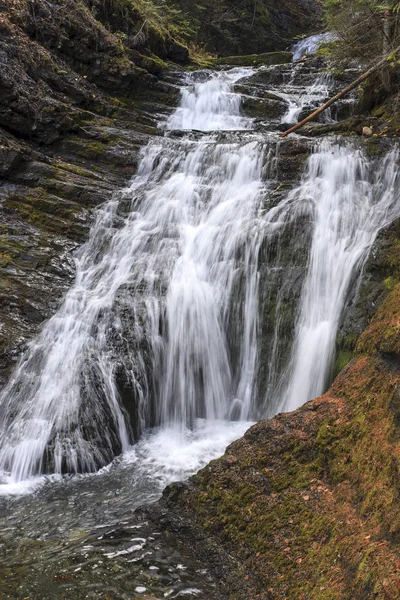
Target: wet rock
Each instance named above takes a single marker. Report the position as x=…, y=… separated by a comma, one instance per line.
x=177, y=52
x=264, y=108
x=9, y=159
x=379, y=279
x=292, y=155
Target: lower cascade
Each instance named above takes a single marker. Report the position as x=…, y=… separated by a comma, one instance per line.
x=161, y=329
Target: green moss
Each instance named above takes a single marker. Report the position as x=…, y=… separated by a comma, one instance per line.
x=5, y=258
x=74, y=169
x=46, y=212
x=199, y=55
x=325, y=51
x=343, y=357
x=90, y=149
x=153, y=64
x=390, y=283
x=337, y=73
x=269, y=58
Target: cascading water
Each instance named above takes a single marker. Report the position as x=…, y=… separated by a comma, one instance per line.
x=162, y=326
x=309, y=98
x=348, y=205
x=190, y=238
x=311, y=44
x=210, y=104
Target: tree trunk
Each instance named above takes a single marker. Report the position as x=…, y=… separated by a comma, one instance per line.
x=386, y=45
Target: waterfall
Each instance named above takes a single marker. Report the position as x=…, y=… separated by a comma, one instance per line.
x=348, y=203
x=311, y=44
x=161, y=329
x=188, y=243
x=210, y=104
x=308, y=98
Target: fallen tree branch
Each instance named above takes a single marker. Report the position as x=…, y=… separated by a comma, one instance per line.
x=345, y=91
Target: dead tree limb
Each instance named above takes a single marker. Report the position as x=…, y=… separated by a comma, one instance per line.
x=345, y=91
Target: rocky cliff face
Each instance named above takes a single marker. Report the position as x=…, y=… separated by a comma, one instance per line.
x=73, y=113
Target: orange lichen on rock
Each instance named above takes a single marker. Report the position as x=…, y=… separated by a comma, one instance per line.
x=383, y=334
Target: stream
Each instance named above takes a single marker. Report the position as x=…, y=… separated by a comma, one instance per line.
x=154, y=362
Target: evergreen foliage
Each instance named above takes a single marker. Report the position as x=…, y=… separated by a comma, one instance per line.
x=367, y=28
x=224, y=27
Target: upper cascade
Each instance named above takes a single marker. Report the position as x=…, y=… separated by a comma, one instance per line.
x=311, y=44
x=208, y=103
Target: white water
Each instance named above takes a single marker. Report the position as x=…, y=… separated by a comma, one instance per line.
x=348, y=206
x=210, y=104
x=311, y=44
x=190, y=236
x=176, y=284
x=168, y=456
x=309, y=97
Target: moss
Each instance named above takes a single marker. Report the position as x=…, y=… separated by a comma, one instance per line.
x=199, y=55
x=46, y=212
x=153, y=64
x=337, y=73
x=75, y=169
x=5, y=258
x=383, y=334
x=91, y=149
x=343, y=357
x=324, y=51
x=269, y=58
x=390, y=283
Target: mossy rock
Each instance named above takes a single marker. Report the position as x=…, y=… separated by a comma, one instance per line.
x=256, y=60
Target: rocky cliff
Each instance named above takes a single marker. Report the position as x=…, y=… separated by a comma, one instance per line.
x=73, y=112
